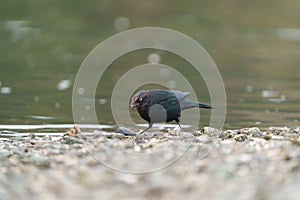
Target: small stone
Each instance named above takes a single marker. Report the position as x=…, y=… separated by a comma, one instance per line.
x=249, y=131
x=228, y=134
x=279, y=130
x=240, y=137
x=72, y=140
x=277, y=137
x=257, y=134
x=210, y=131
x=198, y=133
x=73, y=131
x=107, y=135
x=266, y=136
x=33, y=142
x=297, y=130
x=292, y=136
x=125, y=131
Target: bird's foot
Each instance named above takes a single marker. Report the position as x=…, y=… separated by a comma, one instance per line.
x=176, y=131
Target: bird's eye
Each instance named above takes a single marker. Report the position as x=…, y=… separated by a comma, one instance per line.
x=140, y=99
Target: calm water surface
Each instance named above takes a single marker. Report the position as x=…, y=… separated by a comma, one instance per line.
x=255, y=45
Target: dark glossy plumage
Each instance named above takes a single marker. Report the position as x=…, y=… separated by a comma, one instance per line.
x=156, y=106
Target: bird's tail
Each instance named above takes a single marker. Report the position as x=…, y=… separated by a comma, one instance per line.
x=192, y=104
x=202, y=105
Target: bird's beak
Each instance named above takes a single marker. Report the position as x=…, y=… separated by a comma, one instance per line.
x=132, y=105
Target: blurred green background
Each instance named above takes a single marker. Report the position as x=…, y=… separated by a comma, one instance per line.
x=255, y=44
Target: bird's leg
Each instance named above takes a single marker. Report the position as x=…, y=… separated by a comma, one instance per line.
x=176, y=130
x=177, y=121
x=179, y=124
x=143, y=131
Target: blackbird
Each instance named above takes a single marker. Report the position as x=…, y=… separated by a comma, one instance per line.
x=156, y=106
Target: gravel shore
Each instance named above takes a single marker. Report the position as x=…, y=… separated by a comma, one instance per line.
x=248, y=163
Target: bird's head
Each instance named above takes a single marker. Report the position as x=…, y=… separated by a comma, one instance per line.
x=140, y=99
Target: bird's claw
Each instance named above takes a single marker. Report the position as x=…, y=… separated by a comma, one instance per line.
x=176, y=131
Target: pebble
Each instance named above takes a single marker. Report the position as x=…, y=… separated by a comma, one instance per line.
x=297, y=130
x=266, y=136
x=257, y=134
x=210, y=131
x=125, y=131
x=277, y=137
x=292, y=135
x=240, y=137
x=33, y=142
x=198, y=133
x=279, y=130
x=73, y=140
x=73, y=131
x=249, y=131
x=228, y=134
x=65, y=167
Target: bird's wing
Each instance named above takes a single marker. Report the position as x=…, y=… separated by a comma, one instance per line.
x=168, y=98
x=180, y=95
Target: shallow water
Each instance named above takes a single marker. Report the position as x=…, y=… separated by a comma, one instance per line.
x=255, y=46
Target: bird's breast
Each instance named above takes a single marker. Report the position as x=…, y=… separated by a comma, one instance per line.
x=144, y=113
